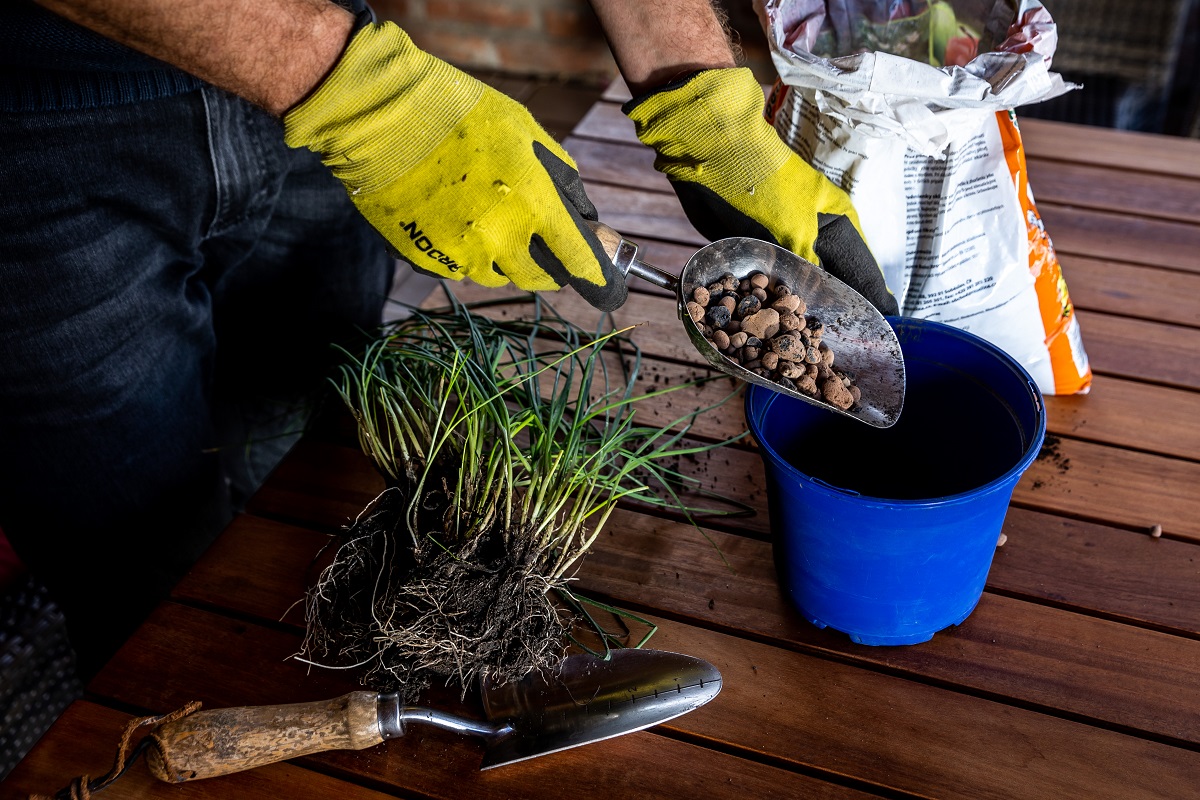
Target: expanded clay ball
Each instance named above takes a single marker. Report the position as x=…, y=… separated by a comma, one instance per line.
x=788, y=304
x=763, y=324
x=767, y=330
x=747, y=306
x=836, y=393
x=717, y=316
x=789, y=346
x=790, y=322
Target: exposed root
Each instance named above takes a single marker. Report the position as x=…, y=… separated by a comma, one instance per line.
x=412, y=613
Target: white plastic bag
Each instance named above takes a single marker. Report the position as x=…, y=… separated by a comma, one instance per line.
x=932, y=158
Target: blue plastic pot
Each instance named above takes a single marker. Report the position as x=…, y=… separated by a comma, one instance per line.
x=887, y=534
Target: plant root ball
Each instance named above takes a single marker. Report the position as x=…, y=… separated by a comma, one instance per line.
x=412, y=611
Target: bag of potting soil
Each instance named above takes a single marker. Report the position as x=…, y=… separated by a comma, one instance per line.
x=908, y=106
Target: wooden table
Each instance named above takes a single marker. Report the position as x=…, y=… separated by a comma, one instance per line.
x=1077, y=676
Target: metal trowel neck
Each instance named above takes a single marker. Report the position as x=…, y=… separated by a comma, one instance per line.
x=623, y=254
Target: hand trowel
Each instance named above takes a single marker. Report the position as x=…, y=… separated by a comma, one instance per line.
x=863, y=341
x=586, y=699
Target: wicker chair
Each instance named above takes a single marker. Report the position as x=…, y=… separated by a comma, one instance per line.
x=1126, y=55
x=37, y=668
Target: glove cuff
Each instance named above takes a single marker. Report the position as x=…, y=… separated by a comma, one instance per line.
x=381, y=77
x=736, y=84
x=709, y=128
x=675, y=83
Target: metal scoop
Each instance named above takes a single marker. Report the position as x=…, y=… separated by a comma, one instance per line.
x=587, y=699
x=863, y=343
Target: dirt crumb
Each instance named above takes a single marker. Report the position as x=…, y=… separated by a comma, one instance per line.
x=1050, y=452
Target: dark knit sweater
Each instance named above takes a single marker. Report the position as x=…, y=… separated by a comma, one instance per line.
x=48, y=63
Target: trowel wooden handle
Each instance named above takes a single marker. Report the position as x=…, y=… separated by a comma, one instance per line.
x=609, y=238
x=211, y=743
x=623, y=253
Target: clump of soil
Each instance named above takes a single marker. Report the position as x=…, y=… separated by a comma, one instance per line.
x=764, y=328
x=1050, y=452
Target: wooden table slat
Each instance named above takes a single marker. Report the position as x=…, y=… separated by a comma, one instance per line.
x=1119, y=237
x=597, y=142
x=1078, y=674
x=1042, y=655
x=1138, y=349
x=1133, y=290
x=832, y=725
x=1119, y=151
x=1123, y=352
x=1093, y=567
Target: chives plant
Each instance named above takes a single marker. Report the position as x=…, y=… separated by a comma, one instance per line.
x=505, y=445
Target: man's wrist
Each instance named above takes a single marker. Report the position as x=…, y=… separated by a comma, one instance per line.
x=670, y=77
x=270, y=52
x=657, y=43
x=331, y=34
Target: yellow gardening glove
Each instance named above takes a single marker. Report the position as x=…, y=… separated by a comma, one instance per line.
x=735, y=177
x=458, y=177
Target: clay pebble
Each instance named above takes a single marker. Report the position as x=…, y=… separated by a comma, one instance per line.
x=766, y=328
x=764, y=324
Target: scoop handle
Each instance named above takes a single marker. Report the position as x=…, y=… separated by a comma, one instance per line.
x=207, y=744
x=610, y=238
x=623, y=254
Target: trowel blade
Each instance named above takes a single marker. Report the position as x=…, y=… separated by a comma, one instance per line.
x=589, y=699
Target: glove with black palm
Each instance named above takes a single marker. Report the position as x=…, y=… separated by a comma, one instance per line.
x=460, y=179
x=735, y=177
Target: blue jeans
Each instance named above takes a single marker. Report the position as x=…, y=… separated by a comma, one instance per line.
x=164, y=267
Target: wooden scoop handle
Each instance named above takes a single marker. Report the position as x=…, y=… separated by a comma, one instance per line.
x=218, y=742
x=610, y=238
x=623, y=253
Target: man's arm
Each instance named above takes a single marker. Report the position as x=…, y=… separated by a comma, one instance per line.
x=657, y=42
x=271, y=52
x=274, y=52
x=732, y=173
x=460, y=179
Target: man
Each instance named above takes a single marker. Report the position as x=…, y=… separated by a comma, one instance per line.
x=174, y=257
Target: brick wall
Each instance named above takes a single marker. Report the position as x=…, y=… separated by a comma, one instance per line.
x=558, y=39
x=551, y=38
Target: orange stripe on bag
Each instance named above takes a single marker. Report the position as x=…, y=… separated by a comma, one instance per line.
x=1069, y=362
